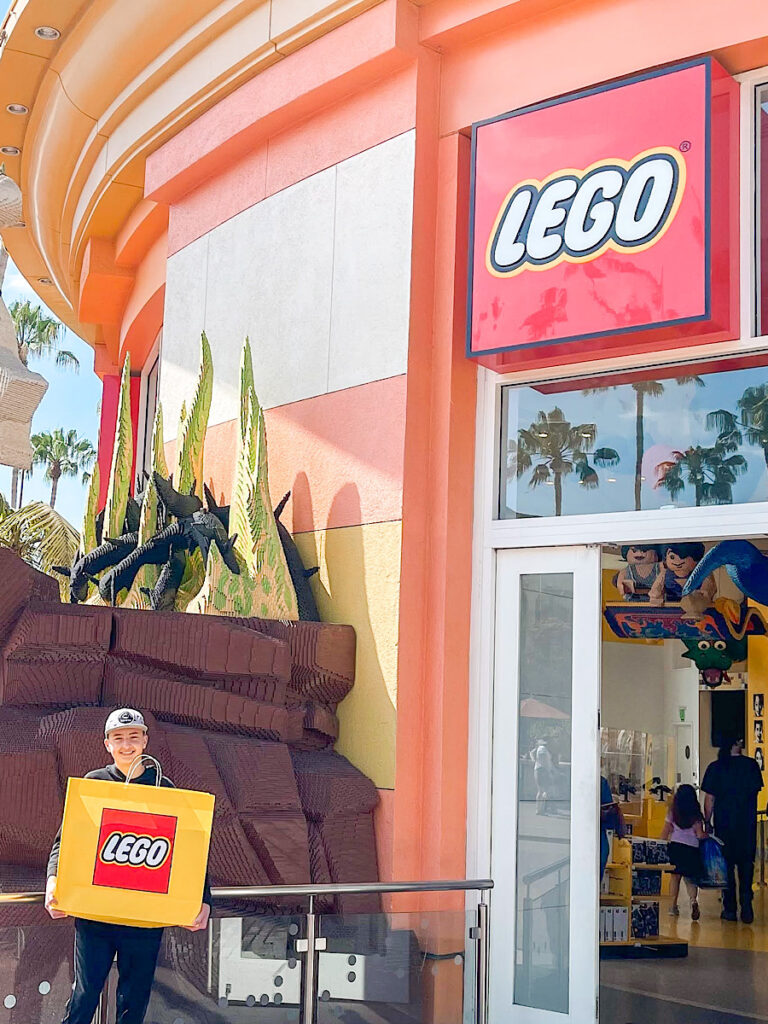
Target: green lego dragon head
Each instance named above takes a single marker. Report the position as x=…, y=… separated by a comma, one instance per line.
x=713, y=658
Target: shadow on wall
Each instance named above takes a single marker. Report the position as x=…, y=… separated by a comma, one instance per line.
x=358, y=584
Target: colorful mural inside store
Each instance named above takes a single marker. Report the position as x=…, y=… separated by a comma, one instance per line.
x=670, y=592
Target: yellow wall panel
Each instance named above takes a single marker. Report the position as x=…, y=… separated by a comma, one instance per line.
x=359, y=583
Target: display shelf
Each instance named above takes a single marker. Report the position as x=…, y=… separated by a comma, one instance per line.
x=620, y=869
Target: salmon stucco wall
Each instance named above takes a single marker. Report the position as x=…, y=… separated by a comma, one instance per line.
x=317, y=276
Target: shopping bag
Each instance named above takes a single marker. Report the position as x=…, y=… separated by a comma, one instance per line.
x=133, y=855
x=714, y=871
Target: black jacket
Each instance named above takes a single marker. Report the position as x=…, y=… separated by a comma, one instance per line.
x=113, y=774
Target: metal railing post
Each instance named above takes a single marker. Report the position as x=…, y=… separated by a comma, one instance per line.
x=310, y=946
x=481, y=1006
x=100, y=1017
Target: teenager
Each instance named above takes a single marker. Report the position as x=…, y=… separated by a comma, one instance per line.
x=96, y=942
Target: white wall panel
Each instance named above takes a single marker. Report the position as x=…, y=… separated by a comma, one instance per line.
x=318, y=276
x=185, y=317
x=372, y=264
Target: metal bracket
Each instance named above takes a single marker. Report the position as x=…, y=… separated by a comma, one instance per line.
x=302, y=945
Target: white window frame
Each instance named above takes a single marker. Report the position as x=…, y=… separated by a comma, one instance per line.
x=645, y=526
x=154, y=356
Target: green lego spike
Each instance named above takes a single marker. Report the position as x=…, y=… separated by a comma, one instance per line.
x=88, y=539
x=122, y=460
x=190, y=443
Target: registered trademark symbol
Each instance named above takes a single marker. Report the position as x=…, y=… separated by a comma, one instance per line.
x=684, y=146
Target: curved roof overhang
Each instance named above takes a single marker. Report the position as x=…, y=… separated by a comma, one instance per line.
x=121, y=79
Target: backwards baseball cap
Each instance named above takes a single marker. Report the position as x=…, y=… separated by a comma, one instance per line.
x=124, y=718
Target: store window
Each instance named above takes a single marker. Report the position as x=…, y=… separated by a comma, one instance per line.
x=761, y=192
x=628, y=444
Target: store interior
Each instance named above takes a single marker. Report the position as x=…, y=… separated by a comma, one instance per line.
x=676, y=679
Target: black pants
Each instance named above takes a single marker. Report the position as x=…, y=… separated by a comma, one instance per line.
x=745, y=865
x=96, y=945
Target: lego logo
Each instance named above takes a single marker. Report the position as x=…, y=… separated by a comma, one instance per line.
x=576, y=216
x=135, y=851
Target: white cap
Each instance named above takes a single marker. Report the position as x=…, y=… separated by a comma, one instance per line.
x=124, y=718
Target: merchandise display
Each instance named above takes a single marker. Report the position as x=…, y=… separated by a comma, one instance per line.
x=645, y=920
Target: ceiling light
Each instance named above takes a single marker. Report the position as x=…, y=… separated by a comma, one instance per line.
x=10, y=150
x=45, y=280
x=47, y=32
x=611, y=479
x=17, y=108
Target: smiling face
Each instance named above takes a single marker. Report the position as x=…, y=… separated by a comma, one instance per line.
x=125, y=745
x=680, y=566
x=642, y=556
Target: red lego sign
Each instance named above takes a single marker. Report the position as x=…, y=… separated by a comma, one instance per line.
x=135, y=850
x=606, y=220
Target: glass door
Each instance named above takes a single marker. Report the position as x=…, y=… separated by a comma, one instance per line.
x=546, y=759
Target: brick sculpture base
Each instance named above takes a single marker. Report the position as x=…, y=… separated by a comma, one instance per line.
x=242, y=708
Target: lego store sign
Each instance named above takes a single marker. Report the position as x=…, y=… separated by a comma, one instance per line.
x=135, y=850
x=606, y=221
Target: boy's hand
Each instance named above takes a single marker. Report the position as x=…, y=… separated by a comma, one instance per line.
x=50, y=899
x=201, y=921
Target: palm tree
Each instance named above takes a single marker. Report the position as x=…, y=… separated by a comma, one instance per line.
x=553, y=448
x=63, y=454
x=712, y=472
x=37, y=337
x=644, y=389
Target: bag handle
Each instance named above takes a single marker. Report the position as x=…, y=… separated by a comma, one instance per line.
x=140, y=759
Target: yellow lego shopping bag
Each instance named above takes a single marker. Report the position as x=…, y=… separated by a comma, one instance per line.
x=133, y=855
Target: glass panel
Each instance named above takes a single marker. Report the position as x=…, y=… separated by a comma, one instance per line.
x=35, y=967
x=671, y=442
x=244, y=962
x=544, y=792
x=761, y=195
x=398, y=968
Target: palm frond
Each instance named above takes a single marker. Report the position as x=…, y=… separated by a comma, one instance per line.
x=42, y=537
x=68, y=360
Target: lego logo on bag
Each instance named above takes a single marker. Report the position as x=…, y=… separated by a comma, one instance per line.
x=135, y=850
x=576, y=216
x=126, y=848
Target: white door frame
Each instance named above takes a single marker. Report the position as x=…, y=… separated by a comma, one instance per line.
x=492, y=535
x=583, y=564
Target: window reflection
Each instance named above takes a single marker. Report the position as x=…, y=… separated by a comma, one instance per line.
x=544, y=792
x=669, y=442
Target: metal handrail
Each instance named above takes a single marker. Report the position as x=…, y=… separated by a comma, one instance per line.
x=314, y=943
x=325, y=889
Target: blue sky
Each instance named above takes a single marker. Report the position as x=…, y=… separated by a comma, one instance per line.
x=71, y=402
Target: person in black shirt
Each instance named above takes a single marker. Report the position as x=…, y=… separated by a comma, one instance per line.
x=731, y=784
x=97, y=942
